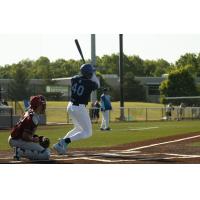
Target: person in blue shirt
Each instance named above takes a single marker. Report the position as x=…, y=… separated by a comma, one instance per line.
x=105, y=109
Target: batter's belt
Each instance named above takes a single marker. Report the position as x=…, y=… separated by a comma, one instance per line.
x=77, y=104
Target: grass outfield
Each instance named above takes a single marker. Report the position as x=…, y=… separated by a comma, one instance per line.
x=121, y=133
x=56, y=111
x=114, y=104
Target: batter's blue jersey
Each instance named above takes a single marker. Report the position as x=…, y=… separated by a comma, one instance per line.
x=81, y=89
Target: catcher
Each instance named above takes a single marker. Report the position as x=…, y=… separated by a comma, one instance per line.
x=23, y=140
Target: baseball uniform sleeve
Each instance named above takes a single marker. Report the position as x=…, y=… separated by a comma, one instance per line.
x=95, y=79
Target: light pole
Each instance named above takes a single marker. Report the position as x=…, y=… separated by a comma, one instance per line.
x=93, y=62
x=121, y=74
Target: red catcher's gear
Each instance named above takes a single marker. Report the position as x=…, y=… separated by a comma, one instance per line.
x=36, y=101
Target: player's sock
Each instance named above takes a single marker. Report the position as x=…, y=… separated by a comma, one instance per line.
x=67, y=140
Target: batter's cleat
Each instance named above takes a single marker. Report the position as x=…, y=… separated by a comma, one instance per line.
x=102, y=129
x=61, y=147
x=108, y=129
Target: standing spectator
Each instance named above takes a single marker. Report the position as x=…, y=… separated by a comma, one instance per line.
x=180, y=112
x=198, y=111
x=96, y=111
x=169, y=109
x=194, y=111
x=91, y=111
x=105, y=108
x=4, y=102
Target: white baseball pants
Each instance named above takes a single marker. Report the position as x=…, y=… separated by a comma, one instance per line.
x=105, y=119
x=81, y=120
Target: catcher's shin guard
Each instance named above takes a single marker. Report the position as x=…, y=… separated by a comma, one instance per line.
x=36, y=155
x=17, y=155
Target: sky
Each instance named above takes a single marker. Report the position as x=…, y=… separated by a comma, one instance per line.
x=16, y=47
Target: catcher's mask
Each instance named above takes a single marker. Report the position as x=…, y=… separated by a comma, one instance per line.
x=36, y=101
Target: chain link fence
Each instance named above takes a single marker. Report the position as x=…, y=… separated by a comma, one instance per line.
x=60, y=115
x=6, y=117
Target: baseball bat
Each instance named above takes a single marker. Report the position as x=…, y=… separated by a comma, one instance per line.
x=79, y=49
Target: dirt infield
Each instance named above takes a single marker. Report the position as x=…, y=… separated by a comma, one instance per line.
x=170, y=150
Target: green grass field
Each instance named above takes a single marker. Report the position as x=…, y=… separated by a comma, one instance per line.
x=114, y=104
x=121, y=133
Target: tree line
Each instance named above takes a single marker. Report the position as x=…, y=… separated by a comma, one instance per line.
x=43, y=68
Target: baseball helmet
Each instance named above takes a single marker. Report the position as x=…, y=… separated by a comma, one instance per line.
x=36, y=101
x=87, y=70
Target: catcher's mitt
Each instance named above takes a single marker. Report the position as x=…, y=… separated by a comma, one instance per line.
x=44, y=141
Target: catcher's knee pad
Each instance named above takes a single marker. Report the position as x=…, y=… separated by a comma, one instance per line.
x=11, y=142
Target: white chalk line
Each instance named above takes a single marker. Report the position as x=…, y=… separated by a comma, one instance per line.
x=140, y=129
x=161, y=143
x=131, y=129
x=94, y=159
x=172, y=156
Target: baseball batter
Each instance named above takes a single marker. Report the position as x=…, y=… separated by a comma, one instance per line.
x=81, y=88
x=22, y=137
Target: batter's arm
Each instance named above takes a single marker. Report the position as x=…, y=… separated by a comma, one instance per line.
x=95, y=79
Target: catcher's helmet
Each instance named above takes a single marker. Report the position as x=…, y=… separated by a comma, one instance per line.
x=36, y=101
x=87, y=70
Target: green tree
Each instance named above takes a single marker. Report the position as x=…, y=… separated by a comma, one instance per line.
x=134, y=64
x=5, y=72
x=133, y=90
x=149, y=67
x=162, y=67
x=108, y=64
x=18, y=89
x=179, y=83
x=27, y=65
x=189, y=59
x=42, y=66
x=198, y=64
